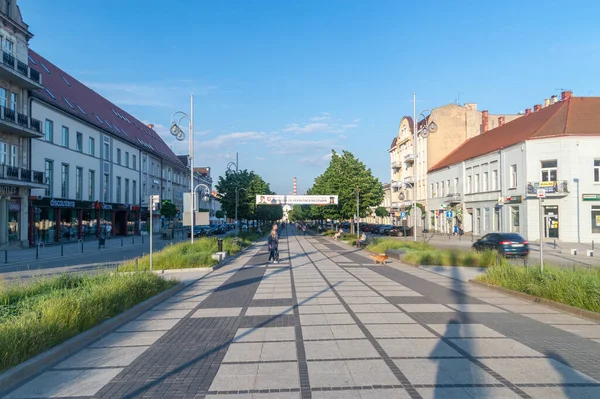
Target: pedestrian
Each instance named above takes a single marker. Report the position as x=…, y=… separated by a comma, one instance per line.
x=108, y=230
x=273, y=242
x=455, y=232
x=304, y=230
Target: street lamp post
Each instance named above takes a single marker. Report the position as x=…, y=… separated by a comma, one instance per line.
x=233, y=168
x=206, y=197
x=428, y=128
x=178, y=133
x=357, y=214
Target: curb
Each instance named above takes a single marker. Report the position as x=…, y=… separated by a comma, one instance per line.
x=542, y=301
x=30, y=368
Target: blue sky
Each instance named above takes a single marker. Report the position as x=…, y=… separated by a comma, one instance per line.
x=283, y=82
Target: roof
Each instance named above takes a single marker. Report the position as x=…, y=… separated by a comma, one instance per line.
x=575, y=116
x=394, y=143
x=75, y=98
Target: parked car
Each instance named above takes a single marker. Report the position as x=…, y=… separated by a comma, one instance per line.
x=385, y=230
x=507, y=244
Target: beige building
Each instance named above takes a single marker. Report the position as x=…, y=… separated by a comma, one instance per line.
x=386, y=203
x=456, y=124
x=17, y=77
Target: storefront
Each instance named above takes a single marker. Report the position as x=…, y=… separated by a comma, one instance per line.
x=10, y=214
x=54, y=220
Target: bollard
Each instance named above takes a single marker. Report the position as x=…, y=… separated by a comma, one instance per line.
x=81, y=246
x=132, y=240
x=62, y=250
x=220, y=244
x=6, y=256
x=136, y=263
x=121, y=242
x=98, y=245
x=142, y=239
x=555, y=243
x=592, y=245
x=37, y=251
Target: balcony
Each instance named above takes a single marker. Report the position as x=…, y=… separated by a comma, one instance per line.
x=396, y=184
x=19, y=124
x=453, y=198
x=409, y=158
x=25, y=176
x=19, y=72
x=409, y=179
x=555, y=189
x=396, y=165
x=396, y=205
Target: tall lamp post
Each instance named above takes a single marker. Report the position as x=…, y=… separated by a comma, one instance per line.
x=233, y=168
x=205, y=197
x=427, y=128
x=180, y=135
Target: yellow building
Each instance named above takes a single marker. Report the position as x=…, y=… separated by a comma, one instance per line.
x=456, y=124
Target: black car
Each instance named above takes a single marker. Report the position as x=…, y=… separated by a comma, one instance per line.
x=507, y=244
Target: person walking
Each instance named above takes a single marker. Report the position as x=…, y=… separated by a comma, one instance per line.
x=304, y=230
x=273, y=243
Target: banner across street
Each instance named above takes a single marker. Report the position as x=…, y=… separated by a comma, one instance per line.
x=297, y=199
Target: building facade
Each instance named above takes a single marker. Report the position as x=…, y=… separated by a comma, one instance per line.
x=456, y=124
x=491, y=183
x=100, y=164
x=18, y=75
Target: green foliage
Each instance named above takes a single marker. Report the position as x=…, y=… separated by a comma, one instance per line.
x=577, y=287
x=219, y=214
x=168, y=209
x=300, y=213
x=421, y=208
x=381, y=211
x=38, y=315
x=344, y=175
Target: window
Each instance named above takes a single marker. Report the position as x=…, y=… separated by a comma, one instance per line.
x=105, y=196
x=49, y=92
x=65, y=136
x=134, y=162
x=485, y=181
x=91, y=185
x=448, y=186
x=8, y=47
x=82, y=111
x=66, y=81
x=64, y=180
x=456, y=185
x=514, y=219
x=14, y=101
x=3, y=97
x=476, y=187
x=3, y=153
x=144, y=164
x=549, y=170
x=126, y=160
x=49, y=130
x=118, y=155
x=45, y=69
x=78, y=183
x=127, y=191
x=442, y=189
x=595, y=219
x=468, y=185
x=596, y=170
x=92, y=146
x=49, y=177
x=13, y=155
x=118, y=188
x=134, y=192
x=495, y=179
x=8, y=9
x=432, y=191
x=106, y=151
x=79, y=144
x=513, y=176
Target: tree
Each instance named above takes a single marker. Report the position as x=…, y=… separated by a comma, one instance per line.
x=343, y=177
x=381, y=212
x=168, y=210
x=299, y=213
x=219, y=214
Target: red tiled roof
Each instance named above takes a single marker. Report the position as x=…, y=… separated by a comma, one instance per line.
x=575, y=116
x=394, y=143
x=70, y=95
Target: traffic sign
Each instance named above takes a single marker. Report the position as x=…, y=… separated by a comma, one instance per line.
x=403, y=215
x=449, y=214
x=541, y=193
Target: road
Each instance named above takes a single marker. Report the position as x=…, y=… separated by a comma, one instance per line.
x=326, y=323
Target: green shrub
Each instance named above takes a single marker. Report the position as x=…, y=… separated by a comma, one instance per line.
x=37, y=316
x=380, y=245
x=575, y=287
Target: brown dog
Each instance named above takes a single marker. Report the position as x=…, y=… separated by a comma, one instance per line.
x=379, y=258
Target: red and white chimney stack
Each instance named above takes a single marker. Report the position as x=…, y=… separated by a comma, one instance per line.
x=295, y=187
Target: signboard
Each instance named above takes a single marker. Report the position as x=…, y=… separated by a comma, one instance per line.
x=202, y=219
x=154, y=201
x=297, y=199
x=449, y=214
x=403, y=215
x=8, y=190
x=541, y=193
x=590, y=197
x=514, y=199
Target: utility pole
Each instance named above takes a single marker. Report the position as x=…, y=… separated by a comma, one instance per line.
x=357, y=214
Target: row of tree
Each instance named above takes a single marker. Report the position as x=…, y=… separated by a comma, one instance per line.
x=348, y=178
x=248, y=185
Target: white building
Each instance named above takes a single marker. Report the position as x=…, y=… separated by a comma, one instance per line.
x=100, y=163
x=17, y=175
x=492, y=179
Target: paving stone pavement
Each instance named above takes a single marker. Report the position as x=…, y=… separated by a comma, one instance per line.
x=326, y=323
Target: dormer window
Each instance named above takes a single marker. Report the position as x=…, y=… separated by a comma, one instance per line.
x=7, y=2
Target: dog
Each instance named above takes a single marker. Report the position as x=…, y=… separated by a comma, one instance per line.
x=379, y=258
x=337, y=235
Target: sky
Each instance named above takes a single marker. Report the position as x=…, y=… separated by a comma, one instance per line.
x=285, y=82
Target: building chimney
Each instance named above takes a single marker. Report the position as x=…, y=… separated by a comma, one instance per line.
x=501, y=120
x=527, y=111
x=546, y=102
x=537, y=107
x=565, y=95
x=151, y=125
x=471, y=106
x=554, y=99
x=484, y=121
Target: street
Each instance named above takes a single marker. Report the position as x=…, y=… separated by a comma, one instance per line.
x=328, y=323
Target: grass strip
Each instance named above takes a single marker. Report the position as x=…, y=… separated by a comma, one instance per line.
x=36, y=316
x=579, y=287
x=186, y=255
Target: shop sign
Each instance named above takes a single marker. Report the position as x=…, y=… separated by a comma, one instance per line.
x=9, y=190
x=514, y=199
x=62, y=203
x=14, y=205
x=590, y=197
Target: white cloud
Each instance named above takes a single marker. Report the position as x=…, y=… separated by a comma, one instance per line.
x=317, y=161
x=310, y=128
x=283, y=146
x=235, y=139
x=350, y=126
x=260, y=159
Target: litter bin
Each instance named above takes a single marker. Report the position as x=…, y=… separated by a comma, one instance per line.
x=220, y=244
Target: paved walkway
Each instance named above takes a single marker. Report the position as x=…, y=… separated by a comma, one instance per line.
x=327, y=323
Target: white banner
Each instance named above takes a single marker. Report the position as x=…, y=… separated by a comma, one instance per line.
x=297, y=199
